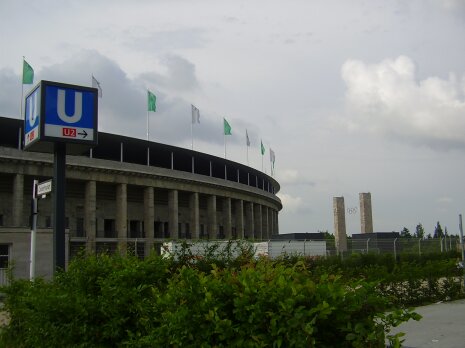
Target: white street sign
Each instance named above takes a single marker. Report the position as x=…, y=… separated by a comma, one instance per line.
x=44, y=187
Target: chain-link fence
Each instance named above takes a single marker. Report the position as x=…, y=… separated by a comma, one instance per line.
x=275, y=248
x=397, y=246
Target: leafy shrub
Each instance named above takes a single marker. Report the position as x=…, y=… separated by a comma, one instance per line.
x=105, y=301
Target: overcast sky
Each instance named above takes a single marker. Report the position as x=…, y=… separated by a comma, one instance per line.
x=352, y=96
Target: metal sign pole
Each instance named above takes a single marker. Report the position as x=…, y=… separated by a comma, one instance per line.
x=32, y=265
x=59, y=206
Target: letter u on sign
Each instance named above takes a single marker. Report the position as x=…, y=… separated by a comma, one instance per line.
x=61, y=110
x=32, y=109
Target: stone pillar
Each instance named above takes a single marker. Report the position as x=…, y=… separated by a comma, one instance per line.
x=212, y=227
x=340, y=224
x=227, y=218
x=249, y=228
x=18, y=200
x=173, y=210
x=265, y=224
x=149, y=218
x=122, y=216
x=366, y=219
x=194, y=215
x=276, y=223
x=258, y=221
x=239, y=219
x=270, y=221
x=90, y=214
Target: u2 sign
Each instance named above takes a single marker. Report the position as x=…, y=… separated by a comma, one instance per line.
x=57, y=112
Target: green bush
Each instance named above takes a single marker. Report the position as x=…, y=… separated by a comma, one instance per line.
x=105, y=301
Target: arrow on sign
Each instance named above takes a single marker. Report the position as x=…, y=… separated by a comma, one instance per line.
x=84, y=133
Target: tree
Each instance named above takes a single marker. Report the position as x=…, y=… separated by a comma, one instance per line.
x=419, y=231
x=438, y=233
x=405, y=233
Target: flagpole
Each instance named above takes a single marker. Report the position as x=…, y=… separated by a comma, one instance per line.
x=22, y=91
x=192, y=133
x=247, y=146
x=148, y=139
x=224, y=145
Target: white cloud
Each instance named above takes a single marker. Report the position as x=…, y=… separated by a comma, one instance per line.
x=290, y=203
x=293, y=177
x=386, y=98
x=444, y=200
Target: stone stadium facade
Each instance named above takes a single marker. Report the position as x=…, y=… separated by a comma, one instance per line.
x=119, y=198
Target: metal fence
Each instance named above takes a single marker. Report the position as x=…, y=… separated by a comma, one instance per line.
x=397, y=246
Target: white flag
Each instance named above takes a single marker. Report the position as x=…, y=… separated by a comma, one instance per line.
x=195, y=115
x=96, y=84
x=272, y=157
x=247, y=138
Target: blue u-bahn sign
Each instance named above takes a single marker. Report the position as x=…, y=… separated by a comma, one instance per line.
x=57, y=112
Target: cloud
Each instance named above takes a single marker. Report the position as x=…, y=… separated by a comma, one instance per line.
x=444, y=200
x=293, y=177
x=387, y=99
x=10, y=93
x=166, y=41
x=179, y=75
x=452, y=5
x=290, y=203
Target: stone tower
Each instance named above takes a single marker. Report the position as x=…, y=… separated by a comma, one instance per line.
x=340, y=224
x=366, y=218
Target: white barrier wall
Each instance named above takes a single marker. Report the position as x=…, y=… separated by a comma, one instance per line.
x=297, y=247
x=273, y=249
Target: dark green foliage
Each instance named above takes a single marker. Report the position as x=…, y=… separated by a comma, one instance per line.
x=224, y=300
x=92, y=304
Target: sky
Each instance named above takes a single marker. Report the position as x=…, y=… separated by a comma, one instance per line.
x=352, y=96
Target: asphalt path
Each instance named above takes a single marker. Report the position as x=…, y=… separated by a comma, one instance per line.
x=442, y=326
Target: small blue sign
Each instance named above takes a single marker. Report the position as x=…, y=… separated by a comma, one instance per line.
x=69, y=113
x=32, y=116
x=58, y=112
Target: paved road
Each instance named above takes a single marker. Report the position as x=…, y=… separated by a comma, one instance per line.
x=442, y=326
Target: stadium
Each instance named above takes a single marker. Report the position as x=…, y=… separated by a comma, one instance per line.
x=129, y=195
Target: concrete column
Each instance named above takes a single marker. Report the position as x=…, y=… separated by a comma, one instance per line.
x=276, y=224
x=227, y=218
x=212, y=227
x=173, y=210
x=265, y=224
x=194, y=215
x=122, y=216
x=149, y=218
x=90, y=214
x=271, y=221
x=18, y=199
x=340, y=224
x=366, y=218
x=258, y=221
x=249, y=228
x=239, y=219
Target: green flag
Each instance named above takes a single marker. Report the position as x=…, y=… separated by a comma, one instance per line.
x=227, y=127
x=28, y=73
x=151, y=101
x=262, y=147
